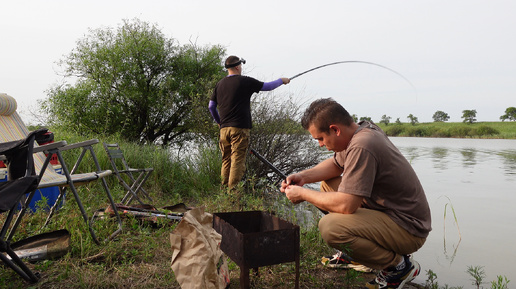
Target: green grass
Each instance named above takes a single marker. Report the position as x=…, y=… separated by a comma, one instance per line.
x=140, y=256
x=501, y=130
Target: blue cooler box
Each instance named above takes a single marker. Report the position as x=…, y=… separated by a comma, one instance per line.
x=51, y=193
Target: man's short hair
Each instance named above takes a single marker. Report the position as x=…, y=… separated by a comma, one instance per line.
x=233, y=61
x=324, y=112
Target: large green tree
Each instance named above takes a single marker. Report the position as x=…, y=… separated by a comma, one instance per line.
x=135, y=82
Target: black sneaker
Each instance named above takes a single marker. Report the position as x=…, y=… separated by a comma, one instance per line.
x=396, y=278
x=339, y=260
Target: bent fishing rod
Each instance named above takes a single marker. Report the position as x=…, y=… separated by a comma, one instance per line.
x=355, y=61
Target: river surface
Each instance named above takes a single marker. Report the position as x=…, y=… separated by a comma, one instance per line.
x=471, y=188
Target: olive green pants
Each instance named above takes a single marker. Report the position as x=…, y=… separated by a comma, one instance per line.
x=370, y=237
x=233, y=144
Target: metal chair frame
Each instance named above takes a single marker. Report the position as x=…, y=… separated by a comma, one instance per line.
x=17, y=154
x=126, y=175
x=71, y=179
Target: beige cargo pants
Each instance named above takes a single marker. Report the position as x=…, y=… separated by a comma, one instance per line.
x=370, y=237
x=233, y=144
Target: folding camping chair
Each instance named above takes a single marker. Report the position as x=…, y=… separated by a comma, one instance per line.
x=22, y=180
x=12, y=128
x=126, y=175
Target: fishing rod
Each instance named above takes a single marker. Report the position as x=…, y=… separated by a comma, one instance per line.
x=276, y=170
x=355, y=61
x=269, y=164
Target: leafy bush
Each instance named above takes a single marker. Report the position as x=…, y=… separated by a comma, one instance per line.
x=278, y=136
x=485, y=130
x=135, y=81
x=394, y=130
x=418, y=131
x=461, y=131
x=441, y=132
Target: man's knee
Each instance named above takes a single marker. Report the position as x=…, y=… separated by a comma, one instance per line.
x=330, y=232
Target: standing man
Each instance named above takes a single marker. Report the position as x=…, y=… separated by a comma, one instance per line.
x=232, y=95
x=379, y=213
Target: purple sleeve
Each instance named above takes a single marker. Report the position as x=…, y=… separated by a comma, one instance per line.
x=272, y=85
x=212, y=106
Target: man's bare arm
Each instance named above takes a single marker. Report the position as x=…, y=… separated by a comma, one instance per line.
x=335, y=202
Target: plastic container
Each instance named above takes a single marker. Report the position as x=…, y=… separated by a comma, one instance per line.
x=51, y=193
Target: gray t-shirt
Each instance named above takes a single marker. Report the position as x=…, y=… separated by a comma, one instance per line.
x=376, y=170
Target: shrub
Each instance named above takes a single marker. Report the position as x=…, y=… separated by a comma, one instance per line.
x=485, y=130
x=461, y=131
x=419, y=131
x=394, y=130
x=441, y=132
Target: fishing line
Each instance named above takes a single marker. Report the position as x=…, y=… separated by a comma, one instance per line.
x=357, y=61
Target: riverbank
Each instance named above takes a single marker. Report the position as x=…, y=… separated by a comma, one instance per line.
x=140, y=256
x=496, y=130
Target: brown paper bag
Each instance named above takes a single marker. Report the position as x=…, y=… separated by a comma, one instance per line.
x=197, y=260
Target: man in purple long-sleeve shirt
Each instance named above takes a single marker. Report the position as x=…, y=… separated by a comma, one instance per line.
x=230, y=107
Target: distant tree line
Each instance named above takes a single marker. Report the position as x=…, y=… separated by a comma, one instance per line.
x=468, y=116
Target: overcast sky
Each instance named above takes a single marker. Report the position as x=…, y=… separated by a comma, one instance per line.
x=457, y=54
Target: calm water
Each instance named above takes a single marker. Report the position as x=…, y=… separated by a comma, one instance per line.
x=477, y=179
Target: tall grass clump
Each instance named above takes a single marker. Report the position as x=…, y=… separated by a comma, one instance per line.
x=393, y=130
x=477, y=275
x=204, y=167
x=501, y=282
x=418, y=131
x=484, y=130
x=177, y=177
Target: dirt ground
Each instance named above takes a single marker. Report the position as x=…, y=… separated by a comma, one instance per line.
x=335, y=274
x=317, y=277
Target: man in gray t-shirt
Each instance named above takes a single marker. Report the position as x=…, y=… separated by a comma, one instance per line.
x=378, y=211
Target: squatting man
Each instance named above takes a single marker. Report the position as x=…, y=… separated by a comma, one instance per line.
x=378, y=212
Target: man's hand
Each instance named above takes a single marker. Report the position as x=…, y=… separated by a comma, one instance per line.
x=285, y=80
x=292, y=187
x=296, y=179
x=294, y=194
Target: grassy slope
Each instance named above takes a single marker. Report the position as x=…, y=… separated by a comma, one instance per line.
x=140, y=256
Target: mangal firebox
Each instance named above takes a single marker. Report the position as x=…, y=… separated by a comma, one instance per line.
x=254, y=239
